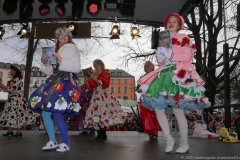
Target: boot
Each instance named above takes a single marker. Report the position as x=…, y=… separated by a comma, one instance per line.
x=9, y=133
x=184, y=147
x=101, y=135
x=170, y=143
x=162, y=120
x=104, y=135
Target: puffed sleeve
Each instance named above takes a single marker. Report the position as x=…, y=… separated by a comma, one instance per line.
x=104, y=78
x=92, y=84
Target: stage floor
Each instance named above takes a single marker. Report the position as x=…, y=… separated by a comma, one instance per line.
x=119, y=146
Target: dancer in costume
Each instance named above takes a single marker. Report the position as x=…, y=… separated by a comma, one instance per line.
x=104, y=109
x=59, y=95
x=15, y=115
x=149, y=119
x=175, y=85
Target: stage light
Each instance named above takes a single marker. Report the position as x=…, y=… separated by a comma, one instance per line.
x=23, y=32
x=26, y=9
x=77, y=8
x=127, y=7
x=115, y=32
x=60, y=7
x=10, y=6
x=135, y=33
x=73, y=28
x=94, y=6
x=2, y=32
x=111, y=5
x=44, y=8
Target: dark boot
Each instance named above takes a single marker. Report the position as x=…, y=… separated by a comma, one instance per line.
x=101, y=135
x=104, y=135
x=98, y=135
x=9, y=133
x=17, y=134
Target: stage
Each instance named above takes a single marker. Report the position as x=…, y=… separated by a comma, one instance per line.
x=120, y=145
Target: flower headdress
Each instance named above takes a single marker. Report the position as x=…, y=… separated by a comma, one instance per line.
x=179, y=18
x=63, y=30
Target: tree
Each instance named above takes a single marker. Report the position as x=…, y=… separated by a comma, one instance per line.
x=207, y=24
x=32, y=45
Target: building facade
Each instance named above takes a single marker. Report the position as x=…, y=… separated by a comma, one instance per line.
x=122, y=84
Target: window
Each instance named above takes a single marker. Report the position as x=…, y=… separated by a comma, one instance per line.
x=119, y=96
x=119, y=81
x=38, y=74
x=112, y=89
x=125, y=89
x=119, y=73
x=31, y=81
x=119, y=89
x=112, y=74
x=125, y=97
x=112, y=81
x=1, y=74
x=125, y=81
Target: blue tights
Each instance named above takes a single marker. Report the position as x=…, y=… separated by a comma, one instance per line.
x=48, y=123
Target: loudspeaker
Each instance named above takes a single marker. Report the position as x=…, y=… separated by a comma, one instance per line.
x=154, y=39
x=238, y=17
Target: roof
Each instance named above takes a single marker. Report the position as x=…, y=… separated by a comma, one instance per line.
x=119, y=73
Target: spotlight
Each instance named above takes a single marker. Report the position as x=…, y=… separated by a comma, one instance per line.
x=94, y=6
x=135, y=33
x=60, y=7
x=77, y=8
x=26, y=9
x=73, y=28
x=115, y=32
x=23, y=32
x=10, y=6
x=127, y=7
x=2, y=32
x=44, y=8
x=111, y=5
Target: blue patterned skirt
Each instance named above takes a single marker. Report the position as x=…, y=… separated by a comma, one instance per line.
x=58, y=94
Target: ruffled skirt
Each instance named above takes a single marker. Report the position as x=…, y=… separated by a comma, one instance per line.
x=104, y=111
x=149, y=120
x=16, y=115
x=165, y=92
x=58, y=94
